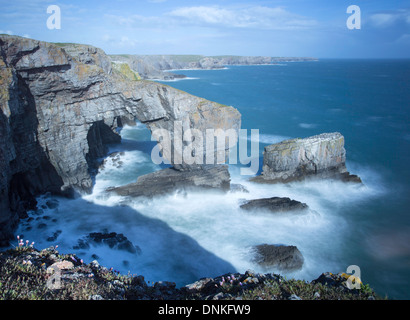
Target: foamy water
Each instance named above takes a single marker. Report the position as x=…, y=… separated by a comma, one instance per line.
x=185, y=237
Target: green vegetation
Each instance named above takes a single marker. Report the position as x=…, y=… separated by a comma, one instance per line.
x=125, y=70
x=25, y=274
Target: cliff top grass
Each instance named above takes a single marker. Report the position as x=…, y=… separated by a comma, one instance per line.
x=125, y=70
x=65, y=44
x=30, y=274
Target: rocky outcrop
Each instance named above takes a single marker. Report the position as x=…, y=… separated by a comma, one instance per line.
x=280, y=257
x=27, y=273
x=87, y=54
x=321, y=156
x=113, y=240
x=60, y=106
x=169, y=180
x=275, y=204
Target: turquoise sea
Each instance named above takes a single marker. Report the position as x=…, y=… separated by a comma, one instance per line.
x=185, y=237
x=368, y=101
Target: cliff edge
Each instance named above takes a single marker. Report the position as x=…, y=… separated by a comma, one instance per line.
x=60, y=105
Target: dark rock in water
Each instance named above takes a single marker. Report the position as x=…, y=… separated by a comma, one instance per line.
x=112, y=239
x=286, y=258
x=82, y=244
x=320, y=156
x=114, y=158
x=347, y=177
x=169, y=180
x=237, y=187
x=52, y=204
x=54, y=236
x=274, y=204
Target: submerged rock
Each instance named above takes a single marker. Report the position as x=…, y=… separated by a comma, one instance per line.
x=237, y=187
x=275, y=204
x=114, y=159
x=169, y=180
x=322, y=156
x=112, y=239
x=286, y=258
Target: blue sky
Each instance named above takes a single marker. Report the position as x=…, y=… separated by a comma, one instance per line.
x=273, y=28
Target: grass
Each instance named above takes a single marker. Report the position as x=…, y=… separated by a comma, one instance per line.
x=25, y=274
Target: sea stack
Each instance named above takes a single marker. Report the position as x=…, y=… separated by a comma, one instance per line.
x=322, y=156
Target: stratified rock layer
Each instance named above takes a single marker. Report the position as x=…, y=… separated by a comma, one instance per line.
x=153, y=66
x=275, y=204
x=169, y=180
x=321, y=156
x=280, y=257
x=60, y=105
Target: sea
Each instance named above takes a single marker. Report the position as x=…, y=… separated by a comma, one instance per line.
x=185, y=237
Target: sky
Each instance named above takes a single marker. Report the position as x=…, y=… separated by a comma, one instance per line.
x=297, y=28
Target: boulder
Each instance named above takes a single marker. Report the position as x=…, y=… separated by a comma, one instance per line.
x=275, y=204
x=322, y=156
x=281, y=257
x=169, y=180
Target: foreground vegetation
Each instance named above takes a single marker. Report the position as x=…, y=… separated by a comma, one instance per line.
x=29, y=274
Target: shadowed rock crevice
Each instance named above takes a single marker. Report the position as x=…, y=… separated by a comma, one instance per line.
x=98, y=137
x=27, y=169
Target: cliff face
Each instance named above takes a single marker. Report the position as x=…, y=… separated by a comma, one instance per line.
x=61, y=104
x=152, y=66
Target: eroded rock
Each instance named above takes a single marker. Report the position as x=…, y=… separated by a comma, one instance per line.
x=321, y=156
x=169, y=180
x=112, y=239
x=275, y=204
x=60, y=107
x=281, y=257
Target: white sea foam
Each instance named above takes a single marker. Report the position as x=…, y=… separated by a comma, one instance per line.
x=269, y=138
x=185, y=237
x=307, y=125
x=172, y=70
x=176, y=79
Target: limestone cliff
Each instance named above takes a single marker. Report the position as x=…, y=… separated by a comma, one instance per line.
x=60, y=105
x=322, y=156
x=153, y=66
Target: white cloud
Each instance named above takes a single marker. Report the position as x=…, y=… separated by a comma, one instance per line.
x=119, y=41
x=403, y=39
x=258, y=17
x=255, y=17
x=135, y=20
x=387, y=19
x=383, y=19
x=9, y=32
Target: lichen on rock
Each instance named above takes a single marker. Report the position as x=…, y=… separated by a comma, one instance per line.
x=322, y=156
